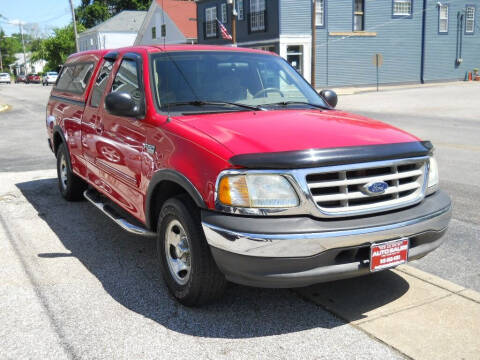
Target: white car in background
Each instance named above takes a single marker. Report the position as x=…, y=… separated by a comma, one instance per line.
x=50, y=78
x=5, y=78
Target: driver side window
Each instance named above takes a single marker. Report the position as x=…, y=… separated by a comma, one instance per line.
x=126, y=81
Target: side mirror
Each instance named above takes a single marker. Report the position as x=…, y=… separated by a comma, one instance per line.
x=330, y=97
x=122, y=104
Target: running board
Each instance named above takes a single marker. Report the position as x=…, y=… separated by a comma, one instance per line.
x=96, y=200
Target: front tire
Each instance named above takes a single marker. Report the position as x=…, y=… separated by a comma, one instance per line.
x=187, y=265
x=70, y=185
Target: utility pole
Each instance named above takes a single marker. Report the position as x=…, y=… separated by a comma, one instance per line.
x=1, y=58
x=74, y=26
x=234, y=22
x=314, y=42
x=20, y=25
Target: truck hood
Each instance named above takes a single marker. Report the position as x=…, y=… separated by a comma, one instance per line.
x=289, y=130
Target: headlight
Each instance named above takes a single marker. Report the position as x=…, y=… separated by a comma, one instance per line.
x=433, y=179
x=256, y=191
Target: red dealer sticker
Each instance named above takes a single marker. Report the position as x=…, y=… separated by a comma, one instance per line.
x=388, y=254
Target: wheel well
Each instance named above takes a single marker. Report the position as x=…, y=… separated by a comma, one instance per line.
x=57, y=140
x=163, y=191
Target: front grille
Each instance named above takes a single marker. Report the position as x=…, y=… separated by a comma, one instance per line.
x=340, y=190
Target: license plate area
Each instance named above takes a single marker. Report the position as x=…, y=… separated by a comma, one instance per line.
x=388, y=254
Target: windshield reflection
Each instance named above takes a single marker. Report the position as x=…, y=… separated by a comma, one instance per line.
x=196, y=78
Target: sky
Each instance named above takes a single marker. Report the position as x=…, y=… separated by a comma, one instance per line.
x=46, y=13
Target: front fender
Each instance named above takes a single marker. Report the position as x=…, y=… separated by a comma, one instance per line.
x=174, y=177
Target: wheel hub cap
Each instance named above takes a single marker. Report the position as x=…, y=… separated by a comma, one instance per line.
x=177, y=251
x=63, y=172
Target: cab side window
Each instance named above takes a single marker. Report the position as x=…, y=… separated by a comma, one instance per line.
x=126, y=81
x=101, y=83
x=74, y=78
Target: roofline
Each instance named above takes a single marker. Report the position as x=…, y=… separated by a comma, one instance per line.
x=108, y=31
x=93, y=29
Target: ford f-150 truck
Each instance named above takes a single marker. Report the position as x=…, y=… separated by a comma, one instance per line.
x=239, y=169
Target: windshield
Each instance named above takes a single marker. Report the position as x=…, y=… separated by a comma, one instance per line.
x=52, y=73
x=230, y=77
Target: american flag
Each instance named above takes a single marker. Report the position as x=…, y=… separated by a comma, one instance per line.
x=224, y=31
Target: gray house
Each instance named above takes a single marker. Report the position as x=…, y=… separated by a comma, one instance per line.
x=337, y=41
x=118, y=31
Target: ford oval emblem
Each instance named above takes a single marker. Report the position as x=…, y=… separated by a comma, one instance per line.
x=375, y=188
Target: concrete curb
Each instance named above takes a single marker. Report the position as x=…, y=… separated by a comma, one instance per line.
x=409, y=310
x=368, y=89
x=469, y=294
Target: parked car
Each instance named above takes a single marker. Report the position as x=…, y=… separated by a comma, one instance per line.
x=21, y=78
x=239, y=169
x=5, y=78
x=33, y=78
x=49, y=78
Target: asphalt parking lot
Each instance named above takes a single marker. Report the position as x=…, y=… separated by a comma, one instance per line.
x=72, y=285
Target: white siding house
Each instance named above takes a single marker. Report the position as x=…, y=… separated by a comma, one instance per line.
x=119, y=31
x=179, y=18
x=19, y=66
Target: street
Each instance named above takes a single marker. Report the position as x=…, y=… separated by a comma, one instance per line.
x=73, y=285
x=449, y=116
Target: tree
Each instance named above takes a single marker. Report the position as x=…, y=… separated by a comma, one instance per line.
x=9, y=46
x=56, y=48
x=38, y=50
x=93, y=12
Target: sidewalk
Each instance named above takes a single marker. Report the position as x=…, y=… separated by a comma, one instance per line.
x=373, y=88
x=418, y=314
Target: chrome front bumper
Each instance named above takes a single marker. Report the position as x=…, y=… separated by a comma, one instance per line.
x=339, y=234
x=293, y=252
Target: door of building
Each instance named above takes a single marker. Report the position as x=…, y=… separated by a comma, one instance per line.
x=295, y=57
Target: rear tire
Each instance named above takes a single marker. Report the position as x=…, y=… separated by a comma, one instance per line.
x=187, y=264
x=70, y=185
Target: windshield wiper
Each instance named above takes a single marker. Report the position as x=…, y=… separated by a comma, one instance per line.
x=215, y=103
x=286, y=103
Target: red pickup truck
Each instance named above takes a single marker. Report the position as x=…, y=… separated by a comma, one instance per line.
x=239, y=169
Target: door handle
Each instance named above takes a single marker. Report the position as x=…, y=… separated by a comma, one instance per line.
x=99, y=128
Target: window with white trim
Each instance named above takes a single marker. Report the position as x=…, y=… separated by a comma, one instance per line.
x=211, y=22
x=359, y=15
x=240, y=10
x=443, y=18
x=470, y=19
x=402, y=7
x=320, y=12
x=257, y=15
x=224, y=14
